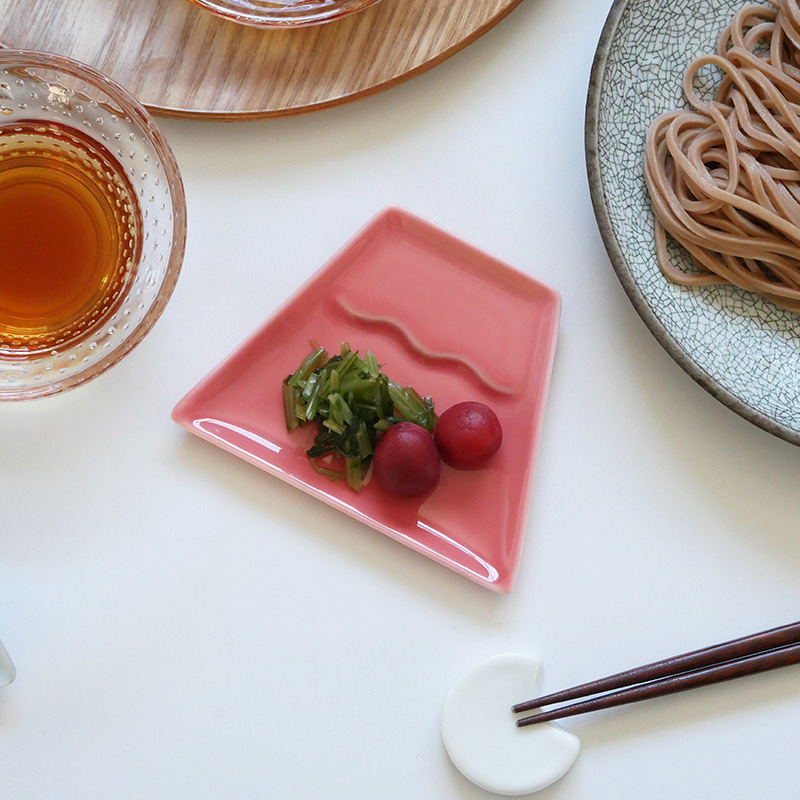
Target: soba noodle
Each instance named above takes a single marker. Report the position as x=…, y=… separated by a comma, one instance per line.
x=724, y=175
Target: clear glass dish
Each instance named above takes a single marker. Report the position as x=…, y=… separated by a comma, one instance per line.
x=284, y=13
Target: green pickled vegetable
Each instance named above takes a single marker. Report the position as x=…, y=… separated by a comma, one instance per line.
x=352, y=401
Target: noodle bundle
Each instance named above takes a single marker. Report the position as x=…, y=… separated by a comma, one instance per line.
x=724, y=175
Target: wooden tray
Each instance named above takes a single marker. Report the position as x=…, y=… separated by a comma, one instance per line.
x=180, y=60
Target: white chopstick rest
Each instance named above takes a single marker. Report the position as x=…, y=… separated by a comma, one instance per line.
x=483, y=741
x=7, y=670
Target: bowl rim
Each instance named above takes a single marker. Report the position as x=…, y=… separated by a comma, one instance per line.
x=145, y=121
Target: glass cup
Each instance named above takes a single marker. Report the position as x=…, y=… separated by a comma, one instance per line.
x=7, y=670
x=92, y=224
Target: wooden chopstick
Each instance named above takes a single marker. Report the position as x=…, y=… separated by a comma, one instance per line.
x=777, y=647
x=706, y=656
x=748, y=665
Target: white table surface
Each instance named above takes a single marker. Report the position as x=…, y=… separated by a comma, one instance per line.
x=186, y=626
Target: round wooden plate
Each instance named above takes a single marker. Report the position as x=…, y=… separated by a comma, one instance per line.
x=180, y=60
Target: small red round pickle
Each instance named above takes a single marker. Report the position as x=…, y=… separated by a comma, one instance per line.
x=468, y=435
x=406, y=461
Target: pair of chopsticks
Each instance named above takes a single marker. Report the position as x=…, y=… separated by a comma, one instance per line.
x=777, y=647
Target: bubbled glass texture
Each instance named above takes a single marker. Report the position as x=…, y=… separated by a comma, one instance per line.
x=51, y=89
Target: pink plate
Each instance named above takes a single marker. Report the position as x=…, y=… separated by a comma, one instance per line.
x=440, y=315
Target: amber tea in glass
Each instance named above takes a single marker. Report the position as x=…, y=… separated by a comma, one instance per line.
x=70, y=236
x=92, y=224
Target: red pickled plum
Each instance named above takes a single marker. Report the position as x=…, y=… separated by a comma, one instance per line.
x=468, y=434
x=406, y=461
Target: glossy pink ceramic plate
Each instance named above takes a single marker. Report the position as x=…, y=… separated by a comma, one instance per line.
x=440, y=315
